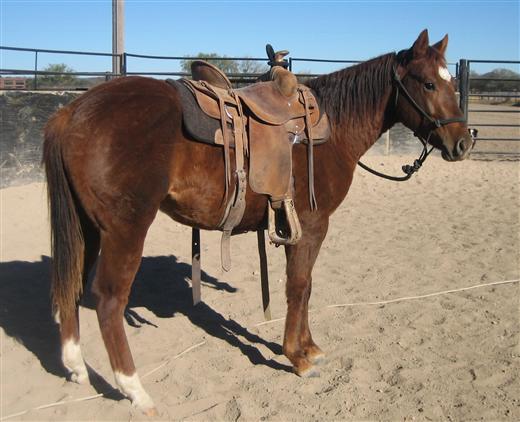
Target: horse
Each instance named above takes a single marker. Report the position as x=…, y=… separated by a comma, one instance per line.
x=118, y=154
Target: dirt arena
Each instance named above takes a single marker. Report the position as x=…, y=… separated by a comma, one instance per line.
x=446, y=356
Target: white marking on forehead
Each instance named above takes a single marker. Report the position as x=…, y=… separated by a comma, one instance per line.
x=444, y=73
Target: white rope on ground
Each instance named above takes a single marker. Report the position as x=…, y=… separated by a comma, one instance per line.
x=401, y=299
x=166, y=362
x=45, y=406
x=383, y=302
x=63, y=402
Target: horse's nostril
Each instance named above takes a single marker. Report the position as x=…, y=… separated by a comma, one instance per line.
x=459, y=148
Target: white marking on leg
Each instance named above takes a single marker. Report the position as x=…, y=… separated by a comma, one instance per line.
x=444, y=73
x=130, y=386
x=73, y=361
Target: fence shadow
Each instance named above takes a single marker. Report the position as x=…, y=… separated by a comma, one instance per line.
x=161, y=286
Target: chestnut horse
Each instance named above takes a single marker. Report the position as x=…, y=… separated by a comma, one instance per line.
x=118, y=154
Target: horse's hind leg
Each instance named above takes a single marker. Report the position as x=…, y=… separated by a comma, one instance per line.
x=69, y=326
x=118, y=263
x=298, y=344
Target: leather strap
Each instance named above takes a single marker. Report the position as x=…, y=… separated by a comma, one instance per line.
x=264, y=274
x=238, y=199
x=195, y=265
x=310, y=151
x=435, y=122
x=225, y=138
x=225, y=134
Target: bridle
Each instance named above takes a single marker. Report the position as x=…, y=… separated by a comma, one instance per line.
x=433, y=125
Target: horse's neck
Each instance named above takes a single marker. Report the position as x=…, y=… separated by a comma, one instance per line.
x=353, y=138
x=357, y=136
x=365, y=114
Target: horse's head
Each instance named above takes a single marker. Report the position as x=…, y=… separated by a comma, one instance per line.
x=426, y=101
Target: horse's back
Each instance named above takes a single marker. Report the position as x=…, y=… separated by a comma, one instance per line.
x=123, y=106
x=116, y=142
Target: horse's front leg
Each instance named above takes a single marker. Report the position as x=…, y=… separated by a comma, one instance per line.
x=298, y=344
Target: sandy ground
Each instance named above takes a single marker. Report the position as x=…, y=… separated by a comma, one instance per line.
x=451, y=356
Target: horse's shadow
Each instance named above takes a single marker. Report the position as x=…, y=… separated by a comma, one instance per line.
x=161, y=286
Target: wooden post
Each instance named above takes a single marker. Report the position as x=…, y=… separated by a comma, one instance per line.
x=118, y=35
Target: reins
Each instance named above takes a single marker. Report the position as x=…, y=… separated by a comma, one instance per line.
x=409, y=170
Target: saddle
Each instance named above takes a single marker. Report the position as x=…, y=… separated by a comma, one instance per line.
x=261, y=122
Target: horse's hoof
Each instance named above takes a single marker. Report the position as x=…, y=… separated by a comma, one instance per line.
x=146, y=405
x=314, y=354
x=79, y=377
x=318, y=358
x=310, y=372
x=151, y=412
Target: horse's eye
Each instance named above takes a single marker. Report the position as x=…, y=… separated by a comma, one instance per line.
x=429, y=86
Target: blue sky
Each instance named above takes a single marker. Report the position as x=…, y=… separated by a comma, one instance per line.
x=315, y=29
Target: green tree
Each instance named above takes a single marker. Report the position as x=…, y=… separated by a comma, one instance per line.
x=61, y=79
x=252, y=66
x=227, y=66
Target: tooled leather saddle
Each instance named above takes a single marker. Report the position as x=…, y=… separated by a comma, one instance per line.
x=261, y=122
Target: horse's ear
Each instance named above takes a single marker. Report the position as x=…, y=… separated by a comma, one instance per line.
x=442, y=45
x=420, y=46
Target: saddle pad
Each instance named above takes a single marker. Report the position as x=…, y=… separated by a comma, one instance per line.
x=198, y=124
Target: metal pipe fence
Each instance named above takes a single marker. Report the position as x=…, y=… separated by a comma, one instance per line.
x=465, y=80
x=38, y=51
x=462, y=68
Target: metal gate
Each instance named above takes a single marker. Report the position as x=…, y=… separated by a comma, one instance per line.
x=495, y=114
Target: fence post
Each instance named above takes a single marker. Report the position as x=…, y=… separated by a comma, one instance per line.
x=35, y=70
x=123, y=64
x=464, y=86
x=118, y=35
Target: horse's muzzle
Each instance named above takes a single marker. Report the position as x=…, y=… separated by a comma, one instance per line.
x=460, y=151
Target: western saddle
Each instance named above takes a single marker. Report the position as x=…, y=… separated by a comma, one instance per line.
x=261, y=122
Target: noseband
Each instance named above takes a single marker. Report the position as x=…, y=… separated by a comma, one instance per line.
x=433, y=125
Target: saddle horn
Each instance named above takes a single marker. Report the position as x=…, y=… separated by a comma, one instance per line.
x=276, y=58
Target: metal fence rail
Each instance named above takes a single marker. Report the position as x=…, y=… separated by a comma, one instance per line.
x=465, y=80
x=35, y=72
x=463, y=69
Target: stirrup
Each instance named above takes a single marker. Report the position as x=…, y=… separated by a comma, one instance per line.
x=293, y=224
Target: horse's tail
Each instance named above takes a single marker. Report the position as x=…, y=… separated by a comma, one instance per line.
x=67, y=242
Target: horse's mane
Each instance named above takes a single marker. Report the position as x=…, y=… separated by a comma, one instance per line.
x=352, y=94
